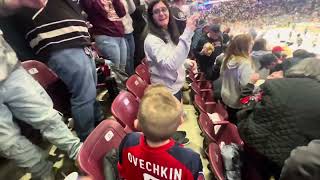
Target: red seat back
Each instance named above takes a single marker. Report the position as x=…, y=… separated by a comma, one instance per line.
x=136, y=86
x=125, y=109
x=40, y=72
x=200, y=104
x=106, y=136
x=204, y=84
x=144, y=61
x=53, y=85
x=195, y=76
x=206, y=126
x=219, y=108
x=228, y=132
x=198, y=86
x=216, y=161
x=210, y=107
x=143, y=71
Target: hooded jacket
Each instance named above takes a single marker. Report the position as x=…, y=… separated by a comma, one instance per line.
x=235, y=76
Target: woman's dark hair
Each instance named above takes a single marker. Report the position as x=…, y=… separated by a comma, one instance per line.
x=260, y=45
x=158, y=31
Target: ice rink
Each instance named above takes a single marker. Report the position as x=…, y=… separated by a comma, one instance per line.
x=288, y=35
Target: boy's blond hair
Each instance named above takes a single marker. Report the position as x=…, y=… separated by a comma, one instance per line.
x=159, y=114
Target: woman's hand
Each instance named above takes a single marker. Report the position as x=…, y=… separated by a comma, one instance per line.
x=192, y=22
x=276, y=75
x=254, y=78
x=191, y=65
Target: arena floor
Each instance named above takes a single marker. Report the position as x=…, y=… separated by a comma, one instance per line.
x=281, y=35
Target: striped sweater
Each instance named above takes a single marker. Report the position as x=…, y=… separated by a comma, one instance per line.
x=59, y=26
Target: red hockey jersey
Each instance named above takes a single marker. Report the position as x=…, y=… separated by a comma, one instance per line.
x=138, y=161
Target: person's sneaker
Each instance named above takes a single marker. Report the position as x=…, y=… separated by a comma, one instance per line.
x=182, y=133
x=185, y=141
x=178, y=136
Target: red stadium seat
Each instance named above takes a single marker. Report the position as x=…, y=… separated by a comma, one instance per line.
x=216, y=161
x=207, y=127
x=40, y=72
x=228, y=132
x=106, y=136
x=125, y=109
x=136, y=86
x=201, y=88
x=54, y=86
x=206, y=107
x=195, y=76
x=210, y=107
x=143, y=71
x=144, y=61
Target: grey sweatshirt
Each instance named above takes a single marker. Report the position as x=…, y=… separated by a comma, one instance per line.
x=235, y=77
x=166, y=60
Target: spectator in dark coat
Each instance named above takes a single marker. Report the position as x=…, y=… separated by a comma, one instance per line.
x=287, y=114
x=206, y=61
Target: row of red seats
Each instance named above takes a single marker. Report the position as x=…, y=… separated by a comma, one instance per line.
x=227, y=133
x=108, y=134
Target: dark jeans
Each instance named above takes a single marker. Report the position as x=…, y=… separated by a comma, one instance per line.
x=232, y=113
x=178, y=95
x=205, y=66
x=130, y=53
x=78, y=71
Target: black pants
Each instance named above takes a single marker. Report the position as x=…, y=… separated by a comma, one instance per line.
x=232, y=114
x=205, y=66
x=179, y=95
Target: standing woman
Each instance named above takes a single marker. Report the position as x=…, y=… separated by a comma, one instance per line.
x=236, y=70
x=108, y=30
x=166, y=51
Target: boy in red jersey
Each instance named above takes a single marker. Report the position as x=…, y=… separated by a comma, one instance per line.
x=153, y=155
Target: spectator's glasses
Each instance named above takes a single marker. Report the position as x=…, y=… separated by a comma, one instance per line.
x=163, y=10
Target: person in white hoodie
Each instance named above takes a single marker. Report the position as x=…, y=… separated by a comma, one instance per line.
x=130, y=7
x=236, y=71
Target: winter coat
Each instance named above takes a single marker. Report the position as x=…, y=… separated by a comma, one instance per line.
x=286, y=116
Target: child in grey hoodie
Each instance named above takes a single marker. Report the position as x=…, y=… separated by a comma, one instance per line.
x=236, y=71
